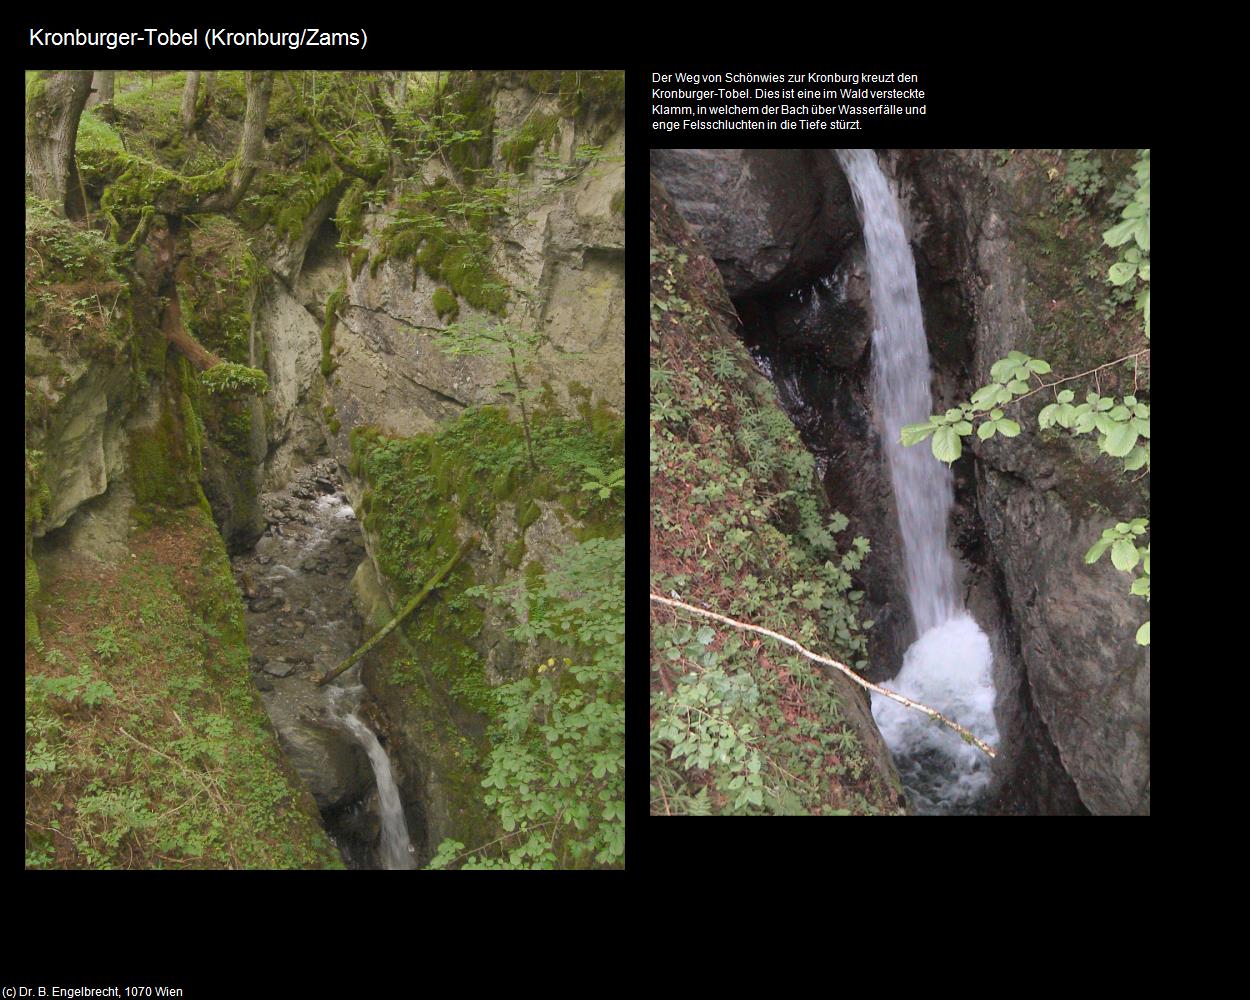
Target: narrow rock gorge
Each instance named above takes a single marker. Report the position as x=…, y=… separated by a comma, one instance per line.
x=1009, y=257
x=326, y=369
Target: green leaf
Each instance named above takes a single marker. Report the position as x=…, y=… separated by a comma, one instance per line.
x=963, y=427
x=1141, y=586
x=1066, y=396
x=1039, y=366
x=1124, y=554
x=1097, y=549
x=1018, y=386
x=1047, y=416
x=999, y=370
x=986, y=430
x=1008, y=428
x=1122, y=273
x=984, y=397
x=1143, y=635
x=915, y=433
x=1135, y=459
x=1122, y=233
x=946, y=445
x=1121, y=440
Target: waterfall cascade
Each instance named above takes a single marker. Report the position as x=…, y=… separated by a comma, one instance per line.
x=948, y=666
x=396, y=851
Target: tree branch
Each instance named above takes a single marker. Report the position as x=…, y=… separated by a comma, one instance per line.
x=932, y=713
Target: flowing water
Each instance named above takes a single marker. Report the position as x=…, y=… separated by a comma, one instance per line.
x=948, y=666
x=395, y=851
x=301, y=623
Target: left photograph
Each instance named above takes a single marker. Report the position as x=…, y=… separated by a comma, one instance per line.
x=324, y=469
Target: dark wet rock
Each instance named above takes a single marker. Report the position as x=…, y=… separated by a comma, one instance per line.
x=769, y=217
x=332, y=764
x=279, y=668
x=264, y=684
x=263, y=604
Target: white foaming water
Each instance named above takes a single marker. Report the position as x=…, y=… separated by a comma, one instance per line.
x=900, y=369
x=396, y=849
x=949, y=666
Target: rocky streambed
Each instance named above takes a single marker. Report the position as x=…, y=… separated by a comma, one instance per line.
x=301, y=622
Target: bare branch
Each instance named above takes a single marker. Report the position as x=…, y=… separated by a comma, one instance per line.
x=932, y=713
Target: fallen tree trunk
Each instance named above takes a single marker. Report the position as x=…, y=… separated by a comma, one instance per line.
x=408, y=608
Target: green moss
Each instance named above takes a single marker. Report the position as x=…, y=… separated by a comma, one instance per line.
x=32, y=596
x=333, y=303
x=471, y=96
x=165, y=460
x=445, y=305
x=617, y=204
x=359, y=257
x=518, y=151
x=349, y=217
x=515, y=553
x=527, y=515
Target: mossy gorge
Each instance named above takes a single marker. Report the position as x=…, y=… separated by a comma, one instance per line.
x=358, y=336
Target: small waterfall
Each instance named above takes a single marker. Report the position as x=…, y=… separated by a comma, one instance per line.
x=948, y=666
x=396, y=850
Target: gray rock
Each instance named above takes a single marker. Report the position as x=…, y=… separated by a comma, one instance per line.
x=766, y=216
x=330, y=762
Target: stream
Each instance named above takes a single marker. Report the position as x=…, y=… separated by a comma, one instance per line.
x=301, y=622
x=948, y=667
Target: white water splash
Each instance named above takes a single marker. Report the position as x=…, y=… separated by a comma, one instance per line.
x=948, y=667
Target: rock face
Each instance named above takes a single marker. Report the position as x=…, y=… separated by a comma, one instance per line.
x=1044, y=498
x=768, y=217
x=1073, y=687
x=562, y=252
x=332, y=765
x=85, y=447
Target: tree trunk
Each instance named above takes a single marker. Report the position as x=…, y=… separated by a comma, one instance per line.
x=408, y=608
x=189, y=94
x=259, y=89
x=101, y=87
x=54, y=103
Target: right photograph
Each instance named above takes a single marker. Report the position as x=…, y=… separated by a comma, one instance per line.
x=900, y=482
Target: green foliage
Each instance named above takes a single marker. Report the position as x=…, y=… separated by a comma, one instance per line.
x=228, y=379
x=739, y=522
x=556, y=770
x=1083, y=180
x=146, y=745
x=1134, y=263
x=604, y=483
